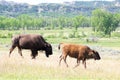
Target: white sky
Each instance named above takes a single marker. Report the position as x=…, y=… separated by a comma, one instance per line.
x=48, y=1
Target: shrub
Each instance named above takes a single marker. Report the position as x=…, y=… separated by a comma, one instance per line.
x=10, y=35
x=3, y=36
x=64, y=37
x=98, y=34
x=71, y=35
x=6, y=35
x=115, y=34
x=51, y=36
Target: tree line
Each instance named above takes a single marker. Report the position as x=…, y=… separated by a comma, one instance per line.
x=100, y=21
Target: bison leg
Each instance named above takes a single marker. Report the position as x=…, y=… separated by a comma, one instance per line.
x=11, y=49
x=78, y=63
x=34, y=54
x=65, y=62
x=20, y=52
x=60, y=60
x=64, y=58
x=84, y=62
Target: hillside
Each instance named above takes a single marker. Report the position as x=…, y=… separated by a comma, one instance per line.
x=54, y=9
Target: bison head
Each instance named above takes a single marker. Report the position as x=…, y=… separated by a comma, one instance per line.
x=48, y=49
x=94, y=54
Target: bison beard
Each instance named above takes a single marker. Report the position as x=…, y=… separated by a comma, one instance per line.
x=31, y=42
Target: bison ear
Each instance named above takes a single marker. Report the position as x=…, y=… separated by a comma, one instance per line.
x=91, y=52
x=47, y=45
x=94, y=51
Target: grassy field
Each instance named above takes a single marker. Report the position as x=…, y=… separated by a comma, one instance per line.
x=42, y=68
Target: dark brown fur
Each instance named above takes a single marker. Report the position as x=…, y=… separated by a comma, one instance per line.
x=32, y=42
x=77, y=51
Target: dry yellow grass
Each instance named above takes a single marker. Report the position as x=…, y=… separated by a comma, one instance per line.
x=17, y=68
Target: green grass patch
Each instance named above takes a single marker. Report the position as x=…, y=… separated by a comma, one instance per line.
x=64, y=35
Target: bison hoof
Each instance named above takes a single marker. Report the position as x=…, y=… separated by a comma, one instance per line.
x=33, y=57
x=47, y=55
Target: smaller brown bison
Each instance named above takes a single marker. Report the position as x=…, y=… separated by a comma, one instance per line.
x=32, y=42
x=80, y=52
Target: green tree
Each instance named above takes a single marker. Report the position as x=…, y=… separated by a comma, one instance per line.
x=77, y=21
x=104, y=21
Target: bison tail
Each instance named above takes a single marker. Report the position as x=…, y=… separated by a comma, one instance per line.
x=59, y=46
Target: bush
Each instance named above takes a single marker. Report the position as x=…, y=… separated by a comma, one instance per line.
x=64, y=37
x=76, y=35
x=51, y=36
x=8, y=35
x=99, y=34
x=3, y=36
x=115, y=34
x=71, y=35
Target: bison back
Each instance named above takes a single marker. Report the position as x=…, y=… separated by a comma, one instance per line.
x=31, y=42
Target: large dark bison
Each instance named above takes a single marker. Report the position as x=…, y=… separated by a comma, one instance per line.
x=80, y=52
x=31, y=41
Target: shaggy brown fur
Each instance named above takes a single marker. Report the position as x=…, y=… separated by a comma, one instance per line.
x=32, y=42
x=80, y=52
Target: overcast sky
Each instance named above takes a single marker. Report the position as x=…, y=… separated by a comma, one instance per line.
x=49, y=1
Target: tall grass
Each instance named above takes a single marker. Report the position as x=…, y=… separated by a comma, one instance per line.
x=17, y=68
